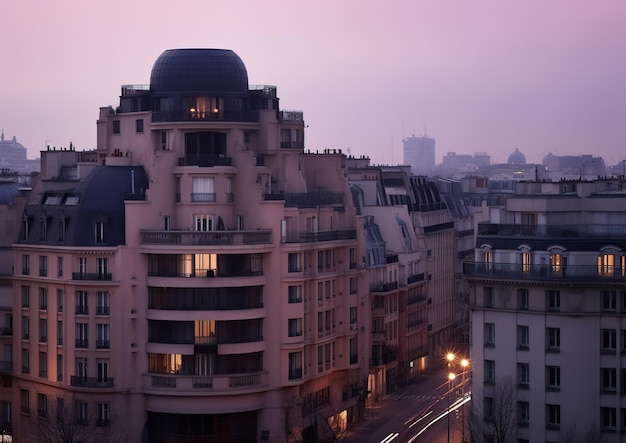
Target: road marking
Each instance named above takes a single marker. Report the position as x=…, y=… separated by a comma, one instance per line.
x=420, y=419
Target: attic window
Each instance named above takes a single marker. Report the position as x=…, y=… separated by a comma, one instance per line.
x=100, y=232
x=52, y=199
x=71, y=200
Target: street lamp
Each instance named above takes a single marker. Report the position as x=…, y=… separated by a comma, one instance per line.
x=451, y=376
x=464, y=364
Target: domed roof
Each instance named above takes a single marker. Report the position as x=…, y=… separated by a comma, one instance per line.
x=199, y=70
x=517, y=158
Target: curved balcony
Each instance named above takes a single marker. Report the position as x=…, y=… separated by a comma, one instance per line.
x=227, y=239
x=204, y=384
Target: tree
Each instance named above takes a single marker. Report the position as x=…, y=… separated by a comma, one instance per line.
x=494, y=417
x=59, y=420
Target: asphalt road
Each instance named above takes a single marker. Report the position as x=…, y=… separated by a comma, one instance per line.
x=416, y=413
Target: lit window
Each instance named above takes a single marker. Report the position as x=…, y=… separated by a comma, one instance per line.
x=606, y=264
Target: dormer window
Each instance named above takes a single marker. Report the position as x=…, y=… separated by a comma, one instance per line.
x=100, y=232
x=43, y=229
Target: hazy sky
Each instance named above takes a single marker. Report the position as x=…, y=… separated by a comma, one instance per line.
x=538, y=75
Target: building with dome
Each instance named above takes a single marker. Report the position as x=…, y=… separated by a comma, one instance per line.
x=516, y=158
x=194, y=278
x=13, y=156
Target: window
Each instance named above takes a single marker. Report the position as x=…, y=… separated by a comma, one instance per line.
x=609, y=340
x=293, y=262
x=25, y=229
x=81, y=303
x=43, y=229
x=102, y=336
x=25, y=327
x=489, y=298
x=230, y=197
x=102, y=368
x=81, y=413
x=353, y=314
x=25, y=401
x=609, y=418
x=59, y=367
x=139, y=125
x=353, y=287
x=59, y=300
x=43, y=330
x=43, y=298
x=556, y=261
x=553, y=300
x=523, y=337
x=490, y=372
x=102, y=303
x=203, y=189
x=81, y=368
x=490, y=334
x=82, y=265
x=43, y=364
x=103, y=409
x=608, y=379
x=523, y=413
x=354, y=351
x=25, y=296
x=606, y=264
x=166, y=222
x=523, y=374
x=116, y=126
x=522, y=298
x=59, y=332
x=609, y=301
x=526, y=261
x=293, y=294
x=100, y=232
x=25, y=361
x=553, y=416
x=43, y=266
x=61, y=229
x=487, y=259
x=25, y=264
x=553, y=378
x=82, y=335
x=623, y=341
x=60, y=267
x=553, y=339
x=102, y=267
x=295, y=365
x=204, y=222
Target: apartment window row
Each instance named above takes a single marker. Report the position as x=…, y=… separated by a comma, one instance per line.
x=103, y=335
x=103, y=302
x=78, y=412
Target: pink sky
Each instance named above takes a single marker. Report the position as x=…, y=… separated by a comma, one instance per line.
x=542, y=76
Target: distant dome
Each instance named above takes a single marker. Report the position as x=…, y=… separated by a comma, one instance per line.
x=517, y=158
x=199, y=70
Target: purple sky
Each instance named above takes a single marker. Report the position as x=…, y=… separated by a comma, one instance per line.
x=541, y=76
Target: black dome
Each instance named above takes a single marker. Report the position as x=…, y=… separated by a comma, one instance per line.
x=199, y=70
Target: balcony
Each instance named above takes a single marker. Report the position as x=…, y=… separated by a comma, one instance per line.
x=552, y=231
x=203, y=197
x=92, y=276
x=320, y=236
x=415, y=278
x=311, y=199
x=384, y=287
x=205, y=161
x=91, y=382
x=212, y=383
x=195, y=238
x=518, y=271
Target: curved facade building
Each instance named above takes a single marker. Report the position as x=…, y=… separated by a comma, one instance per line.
x=194, y=277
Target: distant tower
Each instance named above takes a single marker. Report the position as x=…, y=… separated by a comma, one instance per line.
x=419, y=153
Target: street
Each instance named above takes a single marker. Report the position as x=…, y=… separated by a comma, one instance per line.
x=416, y=413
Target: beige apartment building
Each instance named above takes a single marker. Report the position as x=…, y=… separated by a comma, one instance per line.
x=197, y=277
x=548, y=331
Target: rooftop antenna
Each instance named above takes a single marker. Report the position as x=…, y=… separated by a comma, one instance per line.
x=424, y=123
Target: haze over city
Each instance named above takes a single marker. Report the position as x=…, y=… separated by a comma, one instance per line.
x=477, y=76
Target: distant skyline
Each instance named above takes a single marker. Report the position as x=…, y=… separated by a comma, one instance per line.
x=476, y=76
